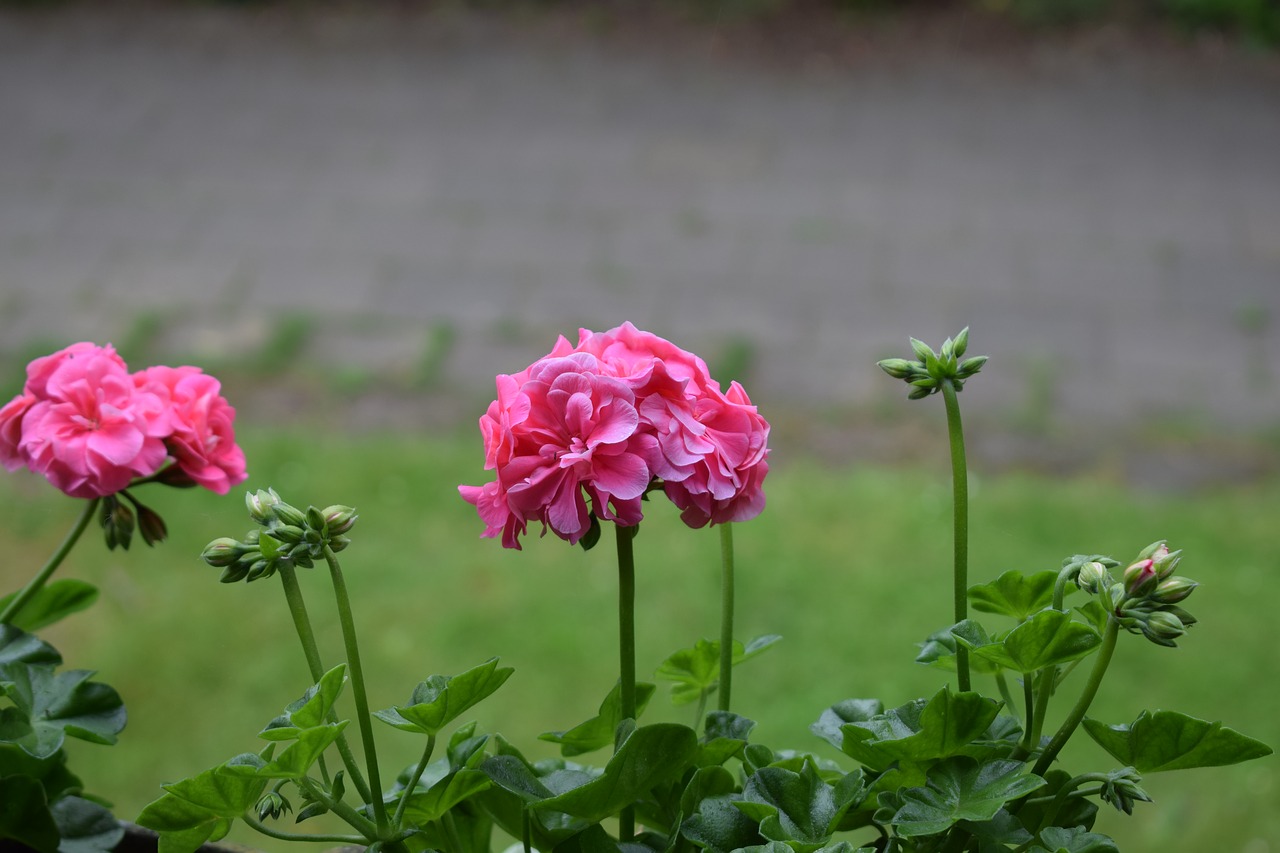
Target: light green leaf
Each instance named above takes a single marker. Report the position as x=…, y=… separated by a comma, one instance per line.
x=696, y=671
x=55, y=601
x=310, y=710
x=307, y=747
x=599, y=731
x=1014, y=594
x=1048, y=638
x=1167, y=740
x=441, y=699
x=431, y=804
x=224, y=791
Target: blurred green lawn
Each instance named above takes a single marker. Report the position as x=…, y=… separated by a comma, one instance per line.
x=850, y=564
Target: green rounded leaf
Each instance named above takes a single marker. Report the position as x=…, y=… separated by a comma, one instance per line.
x=441, y=699
x=57, y=706
x=85, y=826
x=53, y=602
x=962, y=789
x=1048, y=638
x=600, y=730
x=920, y=731
x=1167, y=740
x=17, y=646
x=1014, y=594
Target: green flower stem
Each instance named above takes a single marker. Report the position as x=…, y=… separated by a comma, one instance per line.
x=1049, y=675
x=348, y=624
x=290, y=836
x=627, y=648
x=726, y=615
x=42, y=577
x=1002, y=684
x=413, y=780
x=1068, y=727
x=307, y=636
x=960, y=515
x=357, y=821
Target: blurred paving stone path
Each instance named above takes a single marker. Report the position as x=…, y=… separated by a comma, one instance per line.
x=1107, y=220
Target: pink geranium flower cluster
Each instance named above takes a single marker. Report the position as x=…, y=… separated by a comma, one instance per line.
x=588, y=429
x=91, y=427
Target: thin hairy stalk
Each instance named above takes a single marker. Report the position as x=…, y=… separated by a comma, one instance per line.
x=357, y=821
x=347, y=621
x=413, y=780
x=307, y=636
x=627, y=648
x=42, y=577
x=960, y=518
x=291, y=836
x=1068, y=727
x=726, y=614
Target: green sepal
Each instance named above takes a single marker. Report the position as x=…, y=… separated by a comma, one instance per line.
x=1168, y=740
x=600, y=730
x=650, y=756
x=17, y=646
x=590, y=539
x=25, y=816
x=307, y=747
x=441, y=699
x=920, y=731
x=1014, y=594
x=57, y=706
x=310, y=709
x=1076, y=839
x=52, y=603
x=799, y=809
x=696, y=671
x=960, y=788
x=1048, y=638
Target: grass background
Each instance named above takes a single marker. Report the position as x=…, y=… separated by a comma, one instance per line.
x=850, y=563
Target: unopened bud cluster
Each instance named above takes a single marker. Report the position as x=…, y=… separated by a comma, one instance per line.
x=1146, y=599
x=290, y=536
x=931, y=369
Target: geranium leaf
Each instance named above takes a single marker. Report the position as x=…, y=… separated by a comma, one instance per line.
x=1167, y=740
x=431, y=804
x=829, y=724
x=224, y=791
x=85, y=826
x=25, y=816
x=441, y=699
x=920, y=731
x=17, y=646
x=939, y=648
x=805, y=809
x=1077, y=839
x=960, y=788
x=307, y=747
x=1014, y=594
x=719, y=826
x=599, y=731
x=1050, y=637
x=650, y=756
x=696, y=671
x=53, y=602
x=61, y=705
x=309, y=710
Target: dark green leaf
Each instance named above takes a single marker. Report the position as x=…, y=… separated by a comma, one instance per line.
x=800, y=808
x=962, y=789
x=599, y=731
x=55, y=601
x=1167, y=740
x=441, y=699
x=24, y=814
x=56, y=706
x=1014, y=594
x=85, y=826
x=920, y=731
x=939, y=648
x=1048, y=638
x=1076, y=811
x=829, y=724
x=650, y=756
x=592, y=536
x=720, y=827
x=431, y=804
x=1055, y=839
x=17, y=646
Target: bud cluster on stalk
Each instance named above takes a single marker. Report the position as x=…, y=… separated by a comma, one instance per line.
x=290, y=537
x=931, y=369
x=1147, y=598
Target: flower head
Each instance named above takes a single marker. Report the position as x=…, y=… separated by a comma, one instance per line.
x=586, y=430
